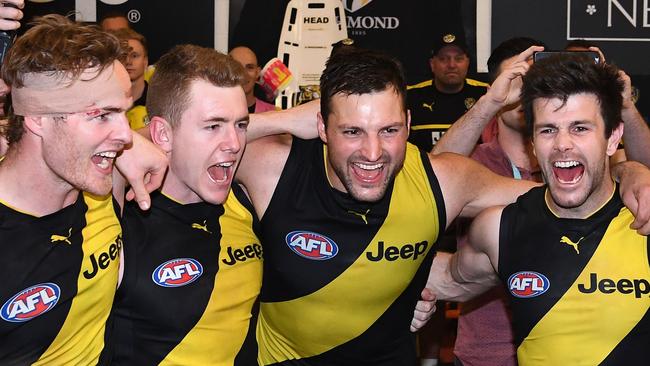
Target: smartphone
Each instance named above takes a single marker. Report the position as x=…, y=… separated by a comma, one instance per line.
x=589, y=54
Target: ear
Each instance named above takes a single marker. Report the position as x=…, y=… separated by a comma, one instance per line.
x=35, y=125
x=321, y=127
x=146, y=62
x=431, y=64
x=161, y=133
x=615, y=139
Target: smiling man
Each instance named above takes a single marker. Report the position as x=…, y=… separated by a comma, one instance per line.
x=348, y=221
x=60, y=224
x=578, y=275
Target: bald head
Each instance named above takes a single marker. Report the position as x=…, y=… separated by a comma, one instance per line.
x=246, y=57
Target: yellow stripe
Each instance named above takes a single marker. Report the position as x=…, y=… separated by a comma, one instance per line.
x=476, y=83
x=351, y=303
x=218, y=336
x=582, y=329
x=426, y=83
x=81, y=339
x=421, y=84
x=435, y=126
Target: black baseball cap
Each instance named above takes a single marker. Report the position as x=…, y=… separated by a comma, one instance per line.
x=449, y=39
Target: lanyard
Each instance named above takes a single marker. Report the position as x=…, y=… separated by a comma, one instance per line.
x=515, y=172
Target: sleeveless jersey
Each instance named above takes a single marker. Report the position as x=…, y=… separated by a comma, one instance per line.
x=60, y=273
x=192, y=274
x=580, y=287
x=341, y=277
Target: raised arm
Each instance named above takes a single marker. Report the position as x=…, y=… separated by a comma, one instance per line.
x=636, y=134
x=472, y=269
x=463, y=135
x=299, y=121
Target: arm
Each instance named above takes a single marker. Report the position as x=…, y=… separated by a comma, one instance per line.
x=636, y=133
x=260, y=169
x=468, y=187
x=634, y=189
x=143, y=165
x=505, y=91
x=299, y=121
x=471, y=270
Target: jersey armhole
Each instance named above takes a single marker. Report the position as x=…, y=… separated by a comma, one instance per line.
x=437, y=192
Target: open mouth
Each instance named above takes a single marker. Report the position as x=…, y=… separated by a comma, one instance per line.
x=220, y=173
x=104, y=160
x=568, y=172
x=368, y=173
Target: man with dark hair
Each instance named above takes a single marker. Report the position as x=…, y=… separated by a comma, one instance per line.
x=358, y=209
x=585, y=255
x=66, y=130
x=436, y=104
x=137, y=61
x=484, y=335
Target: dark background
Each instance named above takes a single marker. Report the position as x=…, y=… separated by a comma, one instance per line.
x=256, y=23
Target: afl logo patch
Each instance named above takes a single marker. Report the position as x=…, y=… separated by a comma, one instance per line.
x=30, y=303
x=177, y=272
x=312, y=245
x=528, y=284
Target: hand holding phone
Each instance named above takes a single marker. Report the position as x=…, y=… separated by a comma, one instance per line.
x=587, y=54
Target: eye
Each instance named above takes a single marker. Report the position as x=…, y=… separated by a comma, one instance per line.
x=580, y=129
x=212, y=127
x=243, y=125
x=103, y=117
x=351, y=132
x=546, y=131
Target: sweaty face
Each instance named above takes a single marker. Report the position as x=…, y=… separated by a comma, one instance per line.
x=449, y=67
x=573, y=153
x=136, y=60
x=247, y=58
x=207, y=144
x=80, y=148
x=366, y=142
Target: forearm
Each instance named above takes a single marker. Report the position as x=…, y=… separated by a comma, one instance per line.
x=636, y=136
x=299, y=121
x=463, y=135
x=445, y=283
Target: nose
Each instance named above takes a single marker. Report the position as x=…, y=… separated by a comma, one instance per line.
x=122, y=131
x=563, y=140
x=371, y=149
x=231, y=138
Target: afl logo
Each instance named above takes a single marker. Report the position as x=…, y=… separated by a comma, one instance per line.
x=312, y=245
x=177, y=272
x=528, y=284
x=30, y=303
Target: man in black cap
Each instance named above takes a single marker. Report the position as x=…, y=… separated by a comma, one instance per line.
x=435, y=104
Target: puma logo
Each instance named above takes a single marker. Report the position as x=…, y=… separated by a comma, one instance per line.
x=428, y=106
x=203, y=227
x=65, y=239
x=570, y=242
x=361, y=215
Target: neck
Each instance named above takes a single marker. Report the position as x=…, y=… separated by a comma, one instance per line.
x=137, y=88
x=446, y=88
x=516, y=147
x=596, y=200
x=250, y=99
x=174, y=188
x=28, y=185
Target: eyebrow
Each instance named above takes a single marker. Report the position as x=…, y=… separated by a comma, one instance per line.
x=222, y=119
